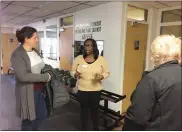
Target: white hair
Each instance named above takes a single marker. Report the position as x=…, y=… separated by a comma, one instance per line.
x=166, y=48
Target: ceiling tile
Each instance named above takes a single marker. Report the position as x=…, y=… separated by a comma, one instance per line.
x=55, y=15
x=159, y=5
x=21, y=19
x=16, y=9
x=77, y=8
x=58, y=5
x=169, y=3
x=15, y=21
x=156, y=4
x=24, y=18
x=9, y=14
x=5, y=1
x=81, y=2
x=5, y=18
x=38, y=19
x=3, y=5
x=95, y=3
x=27, y=22
x=7, y=25
x=29, y=3
x=39, y=12
x=150, y=4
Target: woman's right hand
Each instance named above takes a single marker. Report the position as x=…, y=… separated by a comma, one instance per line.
x=78, y=74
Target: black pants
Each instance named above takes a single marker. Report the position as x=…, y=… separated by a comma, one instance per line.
x=89, y=101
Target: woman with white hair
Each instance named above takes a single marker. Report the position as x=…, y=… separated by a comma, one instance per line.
x=156, y=101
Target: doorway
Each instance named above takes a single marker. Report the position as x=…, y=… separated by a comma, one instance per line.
x=66, y=48
x=135, y=54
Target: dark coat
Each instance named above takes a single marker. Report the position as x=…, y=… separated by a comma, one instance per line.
x=55, y=94
x=157, y=100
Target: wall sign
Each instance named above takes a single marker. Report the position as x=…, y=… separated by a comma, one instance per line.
x=87, y=29
x=86, y=36
x=137, y=45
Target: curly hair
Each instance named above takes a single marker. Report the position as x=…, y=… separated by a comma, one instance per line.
x=166, y=48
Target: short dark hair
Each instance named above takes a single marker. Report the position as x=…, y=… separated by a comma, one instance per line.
x=95, y=48
x=25, y=32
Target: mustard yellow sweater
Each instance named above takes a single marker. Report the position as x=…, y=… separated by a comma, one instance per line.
x=87, y=81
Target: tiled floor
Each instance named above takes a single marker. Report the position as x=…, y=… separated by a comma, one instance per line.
x=8, y=119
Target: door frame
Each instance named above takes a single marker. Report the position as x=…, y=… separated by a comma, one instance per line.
x=59, y=26
x=132, y=20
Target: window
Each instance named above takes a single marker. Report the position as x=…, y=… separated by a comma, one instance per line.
x=137, y=14
x=175, y=30
x=51, y=45
x=66, y=21
x=171, y=15
x=171, y=22
x=48, y=44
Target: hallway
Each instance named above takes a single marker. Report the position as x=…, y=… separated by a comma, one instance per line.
x=66, y=118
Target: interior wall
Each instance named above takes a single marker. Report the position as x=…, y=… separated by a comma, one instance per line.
x=110, y=15
x=7, y=48
x=7, y=29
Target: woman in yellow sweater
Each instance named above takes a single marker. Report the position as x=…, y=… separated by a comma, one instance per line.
x=90, y=69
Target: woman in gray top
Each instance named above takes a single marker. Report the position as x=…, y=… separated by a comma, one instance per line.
x=27, y=65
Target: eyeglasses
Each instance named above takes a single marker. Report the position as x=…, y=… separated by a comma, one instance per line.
x=88, y=46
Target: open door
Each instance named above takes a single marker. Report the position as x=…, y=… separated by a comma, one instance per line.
x=66, y=49
x=135, y=54
x=9, y=44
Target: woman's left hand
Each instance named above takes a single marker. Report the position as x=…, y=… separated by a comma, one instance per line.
x=99, y=77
